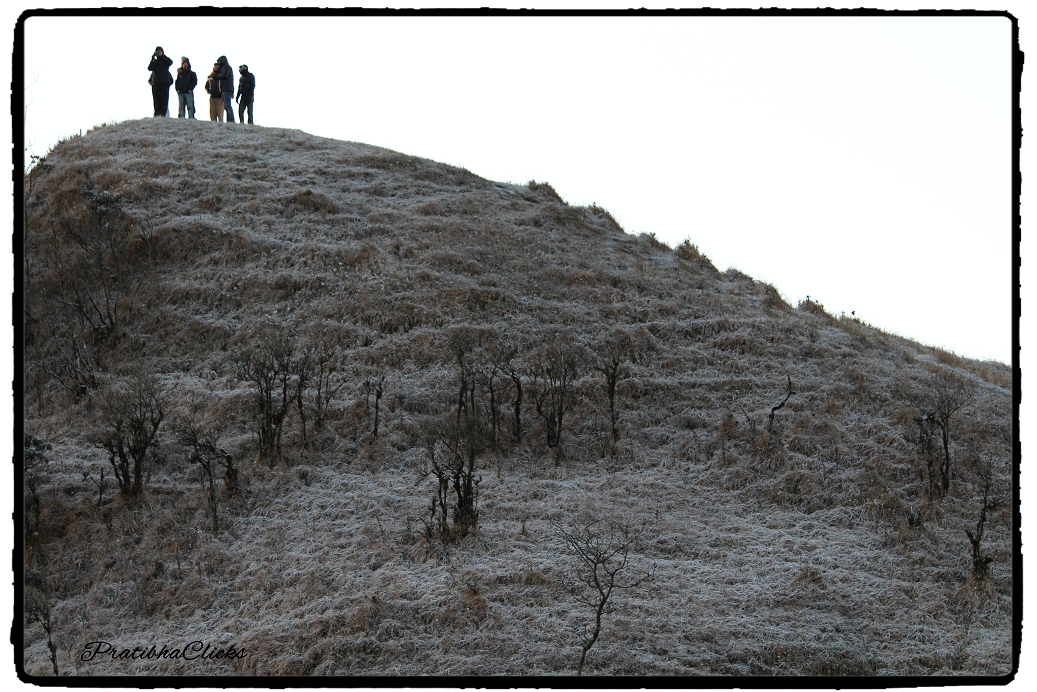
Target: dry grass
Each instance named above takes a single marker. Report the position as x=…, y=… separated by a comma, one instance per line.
x=781, y=548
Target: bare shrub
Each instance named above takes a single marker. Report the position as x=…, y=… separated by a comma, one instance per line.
x=38, y=610
x=942, y=398
x=374, y=386
x=326, y=380
x=203, y=449
x=453, y=447
x=554, y=370
x=72, y=366
x=984, y=481
x=270, y=367
x=503, y=357
x=609, y=353
x=129, y=413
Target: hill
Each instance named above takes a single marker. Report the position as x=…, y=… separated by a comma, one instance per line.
x=297, y=363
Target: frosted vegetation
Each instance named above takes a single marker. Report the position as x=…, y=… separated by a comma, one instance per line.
x=272, y=400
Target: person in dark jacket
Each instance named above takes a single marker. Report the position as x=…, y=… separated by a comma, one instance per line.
x=160, y=81
x=246, y=93
x=212, y=87
x=186, y=81
x=226, y=76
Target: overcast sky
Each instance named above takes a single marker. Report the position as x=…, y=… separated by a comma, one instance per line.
x=863, y=161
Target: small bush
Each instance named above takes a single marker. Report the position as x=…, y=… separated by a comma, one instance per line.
x=651, y=241
x=687, y=252
x=309, y=200
x=545, y=189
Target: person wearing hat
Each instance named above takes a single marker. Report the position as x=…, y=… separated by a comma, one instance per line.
x=186, y=81
x=160, y=81
x=225, y=75
x=246, y=93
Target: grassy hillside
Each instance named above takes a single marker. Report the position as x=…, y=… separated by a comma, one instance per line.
x=797, y=507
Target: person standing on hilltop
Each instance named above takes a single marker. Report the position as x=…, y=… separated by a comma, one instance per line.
x=212, y=87
x=246, y=93
x=186, y=81
x=160, y=81
x=226, y=76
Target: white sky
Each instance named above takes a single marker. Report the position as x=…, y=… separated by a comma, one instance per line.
x=862, y=161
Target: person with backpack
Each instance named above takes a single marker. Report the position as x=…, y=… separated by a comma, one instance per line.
x=186, y=81
x=160, y=81
x=246, y=93
x=225, y=75
x=212, y=87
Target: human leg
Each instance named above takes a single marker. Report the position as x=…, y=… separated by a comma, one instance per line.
x=156, y=97
x=228, y=103
x=161, y=94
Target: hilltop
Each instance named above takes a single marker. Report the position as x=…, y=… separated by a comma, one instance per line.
x=781, y=464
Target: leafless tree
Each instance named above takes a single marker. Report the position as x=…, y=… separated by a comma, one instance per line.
x=487, y=376
x=462, y=341
x=504, y=359
x=554, y=370
x=927, y=449
x=375, y=386
x=609, y=354
x=304, y=371
x=130, y=412
x=72, y=366
x=99, y=483
x=325, y=381
x=981, y=472
x=270, y=367
x=602, y=549
x=941, y=399
x=37, y=609
x=453, y=448
x=96, y=269
x=203, y=449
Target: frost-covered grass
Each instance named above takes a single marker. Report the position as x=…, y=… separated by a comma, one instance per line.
x=806, y=546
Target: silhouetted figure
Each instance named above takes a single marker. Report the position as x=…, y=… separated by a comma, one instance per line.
x=246, y=93
x=225, y=75
x=160, y=81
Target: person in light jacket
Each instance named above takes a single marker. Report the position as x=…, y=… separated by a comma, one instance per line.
x=186, y=81
x=212, y=87
x=160, y=81
x=246, y=93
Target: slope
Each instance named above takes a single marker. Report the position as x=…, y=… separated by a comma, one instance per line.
x=812, y=538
